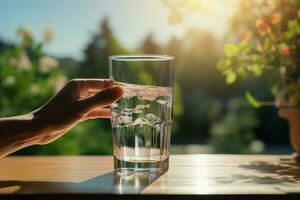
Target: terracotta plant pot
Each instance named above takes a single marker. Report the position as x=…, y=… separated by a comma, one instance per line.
x=292, y=115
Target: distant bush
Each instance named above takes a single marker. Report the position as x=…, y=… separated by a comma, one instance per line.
x=234, y=132
x=28, y=75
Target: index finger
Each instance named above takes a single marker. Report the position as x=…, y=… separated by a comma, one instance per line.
x=94, y=85
x=97, y=84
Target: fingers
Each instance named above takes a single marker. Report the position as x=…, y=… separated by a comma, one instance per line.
x=98, y=113
x=103, y=98
x=93, y=85
x=82, y=88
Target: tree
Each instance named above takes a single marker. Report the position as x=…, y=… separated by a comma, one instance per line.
x=149, y=45
x=96, y=53
x=174, y=48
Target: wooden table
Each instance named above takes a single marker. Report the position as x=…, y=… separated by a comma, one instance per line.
x=189, y=177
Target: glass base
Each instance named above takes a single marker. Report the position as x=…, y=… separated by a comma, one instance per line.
x=121, y=166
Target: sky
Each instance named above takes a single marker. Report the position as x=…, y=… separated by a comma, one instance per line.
x=75, y=21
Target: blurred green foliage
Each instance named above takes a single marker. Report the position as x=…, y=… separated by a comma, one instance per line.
x=268, y=47
x=28, y=76
x=102, y=45
x=234, y=132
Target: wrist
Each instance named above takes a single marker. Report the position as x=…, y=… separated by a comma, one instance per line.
x=34, y=128
x=16, y=133
x=23, y=128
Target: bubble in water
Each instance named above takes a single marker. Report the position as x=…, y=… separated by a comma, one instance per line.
x=141, y=121
x=127, y=110
x=136, y=111
x=140, y=106
x=169, y=105
x=114, y=105
x=152, y=118
x=125, y=120
x=126, y=117
x=161, y=101
x=115, y=113
x=145, y=92
x=114, y=121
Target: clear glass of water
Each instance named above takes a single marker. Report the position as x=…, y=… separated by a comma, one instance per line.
x=142, y=119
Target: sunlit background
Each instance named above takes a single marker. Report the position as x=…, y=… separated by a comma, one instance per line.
x=75, y=21
x=45, y=43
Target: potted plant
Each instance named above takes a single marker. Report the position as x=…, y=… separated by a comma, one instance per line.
x=271, y=49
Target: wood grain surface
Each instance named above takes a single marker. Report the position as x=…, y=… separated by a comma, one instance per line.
x=189, y=177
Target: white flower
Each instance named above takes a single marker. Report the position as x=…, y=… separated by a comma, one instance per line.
x=257, y=146
x=22, y=62
x=34, y=89
x=59, y=82
x=47, y=63
x=282, y=71
x=25, y=33
x=9, y=80
x=48, y=35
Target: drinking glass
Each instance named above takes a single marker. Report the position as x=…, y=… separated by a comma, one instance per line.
x=142, y=119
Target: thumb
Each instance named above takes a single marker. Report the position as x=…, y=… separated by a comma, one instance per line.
x=103, y=98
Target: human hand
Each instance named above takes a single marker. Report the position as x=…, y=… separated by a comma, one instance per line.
x=78, y=100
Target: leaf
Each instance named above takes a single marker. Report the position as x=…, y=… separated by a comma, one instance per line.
x=251, y=100
x=243, y=45
x=230, y=77
x=267, y=43
x=257, y=69
x=241, y=70
x=294, y=26
x=224, y=64
x=274, y=89
x=230, y=50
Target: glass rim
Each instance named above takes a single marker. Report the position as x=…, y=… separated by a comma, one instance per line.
x=141, y=57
